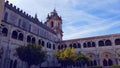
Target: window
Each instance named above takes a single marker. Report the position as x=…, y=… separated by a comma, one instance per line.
x=84, y=45
x=33, y=40
x=29, y=28
x=117, y=41
x=70, y=45
x=15, y=64
x=53, y=46
x=5, y=16
x=11, y=63
x=39, y=42
x=110, y=62
x=4, y=31
x=47, y=44
x=74, y=45
x=108, y=43
x=79, y=45
x=20, y=37
x=101, y=43
x=52, y=24
x=19, y=22
x=105, y=62
x=28, y=39
x=59, y=47
x=93, y=44
x=14, y=34
x=43, y=43
x=89, y=44
x=65, y=46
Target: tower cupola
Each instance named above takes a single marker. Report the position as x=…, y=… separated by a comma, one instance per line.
x=54, y=22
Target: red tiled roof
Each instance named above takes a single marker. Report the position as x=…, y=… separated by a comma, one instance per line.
x=95, y=37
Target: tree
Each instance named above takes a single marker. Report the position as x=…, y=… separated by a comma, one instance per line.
x=66, y=56
x=82, y=59
x=32, y=54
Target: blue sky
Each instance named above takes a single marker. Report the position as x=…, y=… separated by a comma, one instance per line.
x=81, y=18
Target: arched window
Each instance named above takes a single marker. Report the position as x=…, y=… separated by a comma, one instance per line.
x=4, y=31
x=43, y=43
x=53, y=46
x=11, y=63
x=14, y=34
x=101, y=43
x=117, y=41
x=79, y=45
x=74, y=45
x=28, y=39
x=5, y=16
x=94, y=63
x=49, y=45
x=110, y=62
x=108, y=43
x=59, y=47
x=88, y=44
x=62, y=46
x=70, y=45
x=91, y=63
x=105, y=62
x=65, y=46
x=20, y=37
x=52, y=24
x=39, y=42
x=33, y=40
x=15, y=64
x=93, y=44
x=84, y=45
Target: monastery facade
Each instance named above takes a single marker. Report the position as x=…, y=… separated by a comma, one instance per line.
x=19, y=28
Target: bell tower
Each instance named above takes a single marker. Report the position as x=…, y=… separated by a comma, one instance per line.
x=1, y=8
x=55, y=23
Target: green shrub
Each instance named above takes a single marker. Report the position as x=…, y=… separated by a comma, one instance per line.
x=115, y=66
x=93, y=67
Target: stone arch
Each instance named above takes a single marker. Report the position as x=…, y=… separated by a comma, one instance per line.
x=33, y=40
x=108, y=43
x=117, y=41
x=84, y=45
x=4, y=31
x=14, y=34
x=101, y=43
x=92, y=61
x=20, y=36
x=39, y=41
x=79, y=45
x=107, y=59
x=28, y=39
x=74, y=45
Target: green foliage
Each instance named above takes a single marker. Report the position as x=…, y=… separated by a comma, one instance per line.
x=67, y=56
x=82, y=58
x=32, y=54
x=115, y=66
